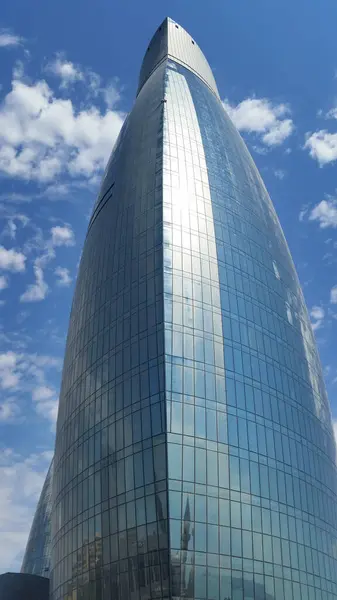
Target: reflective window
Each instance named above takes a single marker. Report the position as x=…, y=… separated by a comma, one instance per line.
x=194, y=444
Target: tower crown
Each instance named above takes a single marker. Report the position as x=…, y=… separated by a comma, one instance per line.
x=172, y=41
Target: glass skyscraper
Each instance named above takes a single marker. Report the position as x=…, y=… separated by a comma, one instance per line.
x=194, y=454
x=36, y=560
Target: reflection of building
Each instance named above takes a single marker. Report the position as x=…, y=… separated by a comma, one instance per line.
x=194, y=437
x=87, y=569
x=36, y=560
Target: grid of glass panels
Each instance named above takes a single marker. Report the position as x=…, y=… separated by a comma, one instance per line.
x=109, y=523
x=194, y=453
x=252, y=477
x=36, y=560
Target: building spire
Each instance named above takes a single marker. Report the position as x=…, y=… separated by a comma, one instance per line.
x=172, y=41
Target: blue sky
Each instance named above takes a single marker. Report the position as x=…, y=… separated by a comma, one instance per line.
x=68, y=75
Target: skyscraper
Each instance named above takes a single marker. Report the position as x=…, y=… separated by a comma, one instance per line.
x=194, y=452
x=36, y=560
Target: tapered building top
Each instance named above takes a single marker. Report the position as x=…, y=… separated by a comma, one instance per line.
x=192, y=404
x=172, y=41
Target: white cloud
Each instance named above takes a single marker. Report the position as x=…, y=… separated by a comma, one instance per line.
x=43, y=361
x=16, y=198
x=63, y=275
x=22, y=373
x=9, y=377
x=325, y=212
x=3, y=282
x=322, y=146
x=36, y=291
x=317, y=315
x=11, y=227
x=332, y=114
x=111, y=94
x=42, y=392
x=40, y=246
x=58, y=190
x=46, y=402
x=42, y=135
x=21, y=481
x=48, y=410
x=278, y=133
x=333, y=295
x=11, y=260
x=70, y=73
x=65, y=70
x=62, y=236
x=8, y=39
x=279, y=173
x=8, y=411
x=259, y=115
x=261, y=150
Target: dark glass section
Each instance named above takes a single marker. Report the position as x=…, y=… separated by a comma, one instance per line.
x=23, y=586
x=110, y=510
x=194, y=452
x=36, y=560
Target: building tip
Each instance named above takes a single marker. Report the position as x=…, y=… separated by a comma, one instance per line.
x=172, y=41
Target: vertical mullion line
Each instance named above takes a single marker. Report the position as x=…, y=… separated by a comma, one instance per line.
x=164, y=117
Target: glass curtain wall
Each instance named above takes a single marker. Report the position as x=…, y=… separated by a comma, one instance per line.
x=252, y=477
x=194, y=453
x=36, y=560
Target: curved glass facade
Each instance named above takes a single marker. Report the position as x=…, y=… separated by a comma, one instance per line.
x=194, y=455
x=36, y=560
